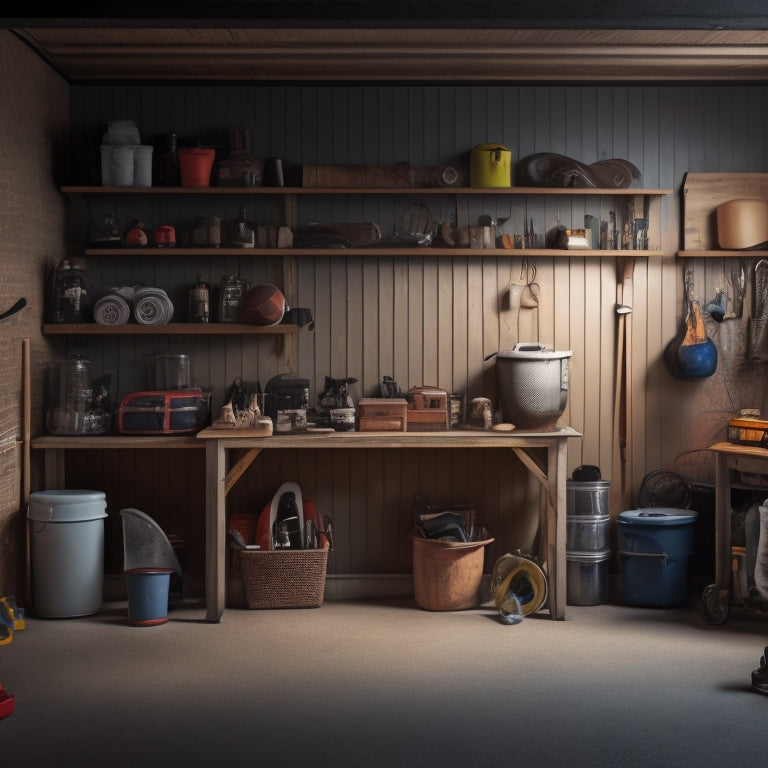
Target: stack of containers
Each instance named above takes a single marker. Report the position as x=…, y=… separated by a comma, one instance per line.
x=588, y=548
x=125, y=161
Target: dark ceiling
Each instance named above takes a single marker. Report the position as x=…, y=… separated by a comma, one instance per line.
x=627, y=14
x=403, y=40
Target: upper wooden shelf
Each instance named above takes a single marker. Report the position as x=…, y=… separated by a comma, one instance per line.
x=87, y=190
x=373, y=251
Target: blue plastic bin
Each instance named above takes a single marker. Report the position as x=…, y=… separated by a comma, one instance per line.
x=655, y=545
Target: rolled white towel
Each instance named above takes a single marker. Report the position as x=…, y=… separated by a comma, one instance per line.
x=111, y=309
x=151, y=306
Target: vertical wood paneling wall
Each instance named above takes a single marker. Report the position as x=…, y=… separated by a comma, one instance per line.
x=434, y=319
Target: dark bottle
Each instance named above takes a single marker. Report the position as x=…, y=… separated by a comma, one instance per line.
x=242, y=233
x=200, y=302
x=167, y=172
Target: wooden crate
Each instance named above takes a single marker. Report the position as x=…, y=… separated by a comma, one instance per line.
x=382, y=414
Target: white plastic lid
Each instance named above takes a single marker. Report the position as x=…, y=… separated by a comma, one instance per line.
x=66, y=506
x=533, y=351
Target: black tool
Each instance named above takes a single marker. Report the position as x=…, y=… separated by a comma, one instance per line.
x=17, y=307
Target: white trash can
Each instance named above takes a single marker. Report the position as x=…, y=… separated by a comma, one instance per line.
x=67, y=552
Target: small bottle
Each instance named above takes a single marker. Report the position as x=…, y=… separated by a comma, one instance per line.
x=242, y=232
x=200, y=302
x=167, y=173
x=231, y=298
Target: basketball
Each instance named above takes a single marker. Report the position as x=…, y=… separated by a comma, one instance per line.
x=264, y=304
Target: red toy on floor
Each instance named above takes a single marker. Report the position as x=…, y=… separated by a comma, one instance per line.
x=6, y=702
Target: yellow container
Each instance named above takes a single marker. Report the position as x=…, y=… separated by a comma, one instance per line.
x=490, y=166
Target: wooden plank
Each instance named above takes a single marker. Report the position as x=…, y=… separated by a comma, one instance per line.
x=703, y=192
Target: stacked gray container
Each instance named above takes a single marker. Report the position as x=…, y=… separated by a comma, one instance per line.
x=587, y=543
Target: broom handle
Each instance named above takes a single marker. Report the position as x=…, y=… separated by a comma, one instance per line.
x=26, y=469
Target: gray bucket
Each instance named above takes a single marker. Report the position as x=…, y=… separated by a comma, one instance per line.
x=67, y=552
x=532, y=385
x=587, y=577
x=587, y=533
x=587, y=497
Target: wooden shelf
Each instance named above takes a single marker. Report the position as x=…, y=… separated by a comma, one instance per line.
x=723, y=254
x=373, y=251
x=117, y=442
x=170, y=329
x=244, y=191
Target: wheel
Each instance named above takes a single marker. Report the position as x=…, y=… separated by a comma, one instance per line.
x=713, y=609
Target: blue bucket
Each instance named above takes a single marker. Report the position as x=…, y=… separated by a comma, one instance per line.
x=148, y=595
x=655, y=545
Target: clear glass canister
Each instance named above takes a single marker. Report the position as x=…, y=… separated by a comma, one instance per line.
x=70, y=292
x=70, y=400
x=231, y=298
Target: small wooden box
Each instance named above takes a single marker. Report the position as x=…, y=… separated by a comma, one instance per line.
x=427, y=420
x=428, y=410
x=382, y=414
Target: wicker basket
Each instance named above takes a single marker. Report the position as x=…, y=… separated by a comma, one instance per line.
x=283, y=578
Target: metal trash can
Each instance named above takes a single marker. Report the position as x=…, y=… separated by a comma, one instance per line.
x=67, y=552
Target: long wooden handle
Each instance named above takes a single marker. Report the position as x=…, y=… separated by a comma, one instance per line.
x=26, y=469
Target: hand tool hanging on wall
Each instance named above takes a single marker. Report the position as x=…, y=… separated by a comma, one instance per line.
x=17, y=307
x=621, y=480
x=691, y=354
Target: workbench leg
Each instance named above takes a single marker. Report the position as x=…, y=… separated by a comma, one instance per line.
x=215, y=530
x=722, y=527
x=557, y=467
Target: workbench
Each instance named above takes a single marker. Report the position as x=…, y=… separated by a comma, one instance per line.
x=729, y=458
x=222, y=474
x=229, y=453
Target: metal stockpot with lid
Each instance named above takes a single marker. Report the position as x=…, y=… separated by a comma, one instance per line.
x=532, y=385
x=490, y=166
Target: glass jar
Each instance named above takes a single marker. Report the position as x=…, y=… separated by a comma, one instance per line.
x=200, y=302
x=231, y=298
x=70, y=293
x=71, y=402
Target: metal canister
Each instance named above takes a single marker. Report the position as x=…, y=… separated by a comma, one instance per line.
x=491, y=166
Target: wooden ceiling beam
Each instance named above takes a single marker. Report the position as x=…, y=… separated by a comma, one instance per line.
x=85, y=54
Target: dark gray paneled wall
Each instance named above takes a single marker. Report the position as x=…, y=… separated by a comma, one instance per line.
x=434, y=319
x=666, y=131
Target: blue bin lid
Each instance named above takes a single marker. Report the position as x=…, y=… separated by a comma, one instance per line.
x=658, y=516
